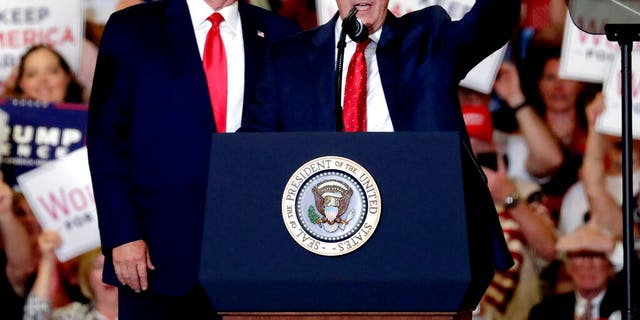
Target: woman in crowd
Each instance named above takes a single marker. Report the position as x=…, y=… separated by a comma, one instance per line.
x=103, y=297
x=541, y=153
x=44, y=75
x=561, y=104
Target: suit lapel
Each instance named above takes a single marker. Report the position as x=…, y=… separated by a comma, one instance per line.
x=388, y=56
x=255, y=45
x=185, y=56
x=323, y=55
x=612, y=300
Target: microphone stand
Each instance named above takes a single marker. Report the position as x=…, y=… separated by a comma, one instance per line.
x=625, y=35
x=342, y=43
x=357, y=33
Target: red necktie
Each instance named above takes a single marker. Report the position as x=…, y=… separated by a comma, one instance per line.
x=355, y=92
x=215, y=67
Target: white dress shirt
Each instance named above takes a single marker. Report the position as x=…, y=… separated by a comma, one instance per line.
x=378, y=118
x=231, y=31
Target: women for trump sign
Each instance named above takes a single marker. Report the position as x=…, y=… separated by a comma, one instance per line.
x=60, y=195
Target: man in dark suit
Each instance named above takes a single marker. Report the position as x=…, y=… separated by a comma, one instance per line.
x=149, y=133
x=597, y=294
x=414, y=65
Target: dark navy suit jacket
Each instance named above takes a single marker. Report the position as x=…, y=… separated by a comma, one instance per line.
x=562, y=306
x=422, y=57
x=149, y=133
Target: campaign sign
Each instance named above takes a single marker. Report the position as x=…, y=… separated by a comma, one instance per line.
x=24, y=23
x=39, y=132
x=60, y=195
x=610, y=120
x=480, y=78
x=586, y=57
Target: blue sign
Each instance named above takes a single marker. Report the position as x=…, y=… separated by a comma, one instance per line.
x=38, y=132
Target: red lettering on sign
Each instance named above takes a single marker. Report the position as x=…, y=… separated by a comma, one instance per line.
x=62, y=202
x=635, y=84
x=18, y=39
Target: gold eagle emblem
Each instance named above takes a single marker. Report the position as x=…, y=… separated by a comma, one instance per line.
x=332, y=199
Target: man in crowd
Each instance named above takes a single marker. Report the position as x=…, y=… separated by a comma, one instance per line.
x=596, y=295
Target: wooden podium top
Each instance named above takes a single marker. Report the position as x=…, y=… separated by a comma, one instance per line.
x=462, y=315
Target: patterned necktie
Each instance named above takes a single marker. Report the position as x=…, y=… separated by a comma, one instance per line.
x=355, y=91
x=587, y=311
x=215, y=66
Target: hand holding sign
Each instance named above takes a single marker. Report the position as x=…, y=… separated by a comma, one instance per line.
x=48, y=241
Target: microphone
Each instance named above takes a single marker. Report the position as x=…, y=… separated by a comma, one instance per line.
x=358, y=33
x=354, y=27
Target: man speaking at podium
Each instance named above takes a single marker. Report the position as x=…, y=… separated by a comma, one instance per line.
x=409, y=83
x=403, y=77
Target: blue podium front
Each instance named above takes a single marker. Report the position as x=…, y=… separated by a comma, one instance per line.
x=434, y=248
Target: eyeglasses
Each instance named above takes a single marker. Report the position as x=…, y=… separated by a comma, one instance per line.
x=586, y=254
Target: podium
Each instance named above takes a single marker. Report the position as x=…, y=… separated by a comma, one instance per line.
x=431, y=256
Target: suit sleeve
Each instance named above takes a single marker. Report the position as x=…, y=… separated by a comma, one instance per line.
x=108, y=144
x=484, y=29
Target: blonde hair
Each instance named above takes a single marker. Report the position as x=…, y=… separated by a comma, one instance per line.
x=85, y=266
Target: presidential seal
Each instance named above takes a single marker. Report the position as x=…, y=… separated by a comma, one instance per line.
x=331, y=206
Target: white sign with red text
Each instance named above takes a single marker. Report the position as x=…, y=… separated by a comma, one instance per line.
x=610, y=120
x=480, y=78
x=24, y=23
x=60, y=195
x=586, y=57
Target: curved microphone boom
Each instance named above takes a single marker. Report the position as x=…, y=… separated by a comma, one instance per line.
x=354, y=28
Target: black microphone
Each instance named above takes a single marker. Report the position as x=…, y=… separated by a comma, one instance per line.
x=358, y=33
x=354, y=27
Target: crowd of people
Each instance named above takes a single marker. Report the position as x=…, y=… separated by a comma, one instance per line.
x=555, y=179
x=542, y=132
